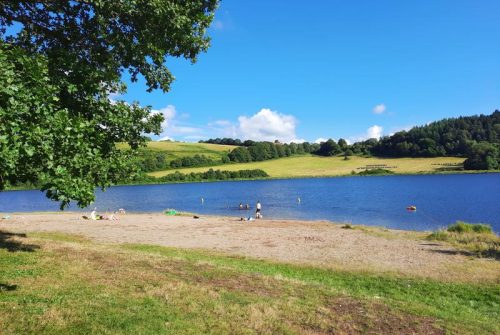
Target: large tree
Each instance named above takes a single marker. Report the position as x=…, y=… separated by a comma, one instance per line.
x=59, y=62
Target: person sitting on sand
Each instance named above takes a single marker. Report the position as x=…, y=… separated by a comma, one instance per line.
x=93, y=215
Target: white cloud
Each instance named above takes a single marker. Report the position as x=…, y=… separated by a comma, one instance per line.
x=320, y=140
x=374, y=132
x=379, y=109
x=223, y=128
x=165, y=138
x=398, y=129
x=168, y=113
x=172, y=126
x=265, y=125
x=268, y=125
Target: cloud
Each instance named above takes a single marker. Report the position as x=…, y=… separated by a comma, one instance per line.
x=268, y=125
x=374, y=132
x=165, y=138
x=168, y=113
x=172, y=124
x=320, y=140
x=398, y=129
x=379, y=109
x=265, y=125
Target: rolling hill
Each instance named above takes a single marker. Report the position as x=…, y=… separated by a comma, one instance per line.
x=316, y=166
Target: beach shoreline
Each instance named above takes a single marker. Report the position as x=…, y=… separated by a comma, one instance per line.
x=314, y=243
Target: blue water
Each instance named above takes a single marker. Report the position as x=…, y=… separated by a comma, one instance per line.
x=381, y=201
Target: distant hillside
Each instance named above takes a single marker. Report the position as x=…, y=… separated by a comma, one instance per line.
x=166, y=154
x=308, y=165
x=474, y=137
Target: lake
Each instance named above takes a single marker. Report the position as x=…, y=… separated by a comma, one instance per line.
x=374, y=200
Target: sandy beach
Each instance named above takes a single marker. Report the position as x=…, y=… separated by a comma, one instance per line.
x=316, y=243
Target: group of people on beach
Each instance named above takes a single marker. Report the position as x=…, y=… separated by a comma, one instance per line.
x=258, y=211
x=95, y=216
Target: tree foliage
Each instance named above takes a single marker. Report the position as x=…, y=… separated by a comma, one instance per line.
x=57, y=123
x=448, y=137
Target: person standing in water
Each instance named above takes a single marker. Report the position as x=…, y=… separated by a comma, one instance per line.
x=258, y=213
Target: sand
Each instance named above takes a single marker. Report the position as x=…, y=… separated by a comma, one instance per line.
x=315, y=243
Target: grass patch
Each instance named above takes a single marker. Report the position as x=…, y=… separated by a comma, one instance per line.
x=55, y=236
x=464, y=227
x=71, y=286
x=316, y=166
x=476, y=238
x=176, y=150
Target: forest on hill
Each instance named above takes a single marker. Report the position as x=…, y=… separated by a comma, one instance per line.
x=475, y=137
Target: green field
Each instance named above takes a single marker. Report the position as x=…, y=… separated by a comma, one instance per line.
x=183, y=149
x=316, y=166
x=51, y=283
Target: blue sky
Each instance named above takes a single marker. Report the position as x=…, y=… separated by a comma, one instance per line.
x=329, y=69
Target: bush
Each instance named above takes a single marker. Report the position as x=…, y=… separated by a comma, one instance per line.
x=476, y=238
x=212, y=174
x=464, y=227
x=375, y=172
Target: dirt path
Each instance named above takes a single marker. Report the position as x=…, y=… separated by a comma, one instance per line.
x=317, y=243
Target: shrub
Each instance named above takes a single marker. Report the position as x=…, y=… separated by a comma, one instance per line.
x=477, y=238
x=464, y=227
x=375, y=171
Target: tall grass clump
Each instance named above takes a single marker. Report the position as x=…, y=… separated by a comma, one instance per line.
x=464, y=227
x=477, y=238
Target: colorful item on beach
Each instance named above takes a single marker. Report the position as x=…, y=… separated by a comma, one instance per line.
x=170, y=212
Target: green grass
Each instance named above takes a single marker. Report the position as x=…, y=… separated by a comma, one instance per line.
x=55, y=284
x=315, y=166
x=478, y=239
x=464, y=227
x=181, y=149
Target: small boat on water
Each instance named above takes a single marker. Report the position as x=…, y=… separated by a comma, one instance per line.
x=411, y=208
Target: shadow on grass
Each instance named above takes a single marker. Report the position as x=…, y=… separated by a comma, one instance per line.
x=10, y=242
x=453, y=252
x=7, y=287
x=490, y=253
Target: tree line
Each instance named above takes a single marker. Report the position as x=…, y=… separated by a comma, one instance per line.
x=210, y=175
x=475, y=137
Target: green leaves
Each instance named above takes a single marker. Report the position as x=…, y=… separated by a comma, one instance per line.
x=58, y=126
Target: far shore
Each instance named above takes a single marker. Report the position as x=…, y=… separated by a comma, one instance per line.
x=317, y=243
x=157, y=182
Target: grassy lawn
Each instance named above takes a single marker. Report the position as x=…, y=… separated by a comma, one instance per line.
x=60, y=284
x=181, y=149
x=309, y=165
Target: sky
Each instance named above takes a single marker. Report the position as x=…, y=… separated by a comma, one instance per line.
x=313, y=70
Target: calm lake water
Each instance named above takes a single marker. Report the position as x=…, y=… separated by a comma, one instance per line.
x=374, y=200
